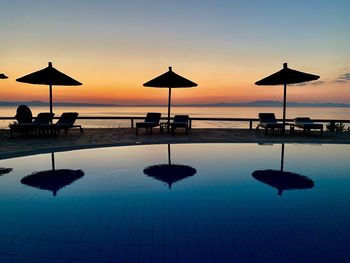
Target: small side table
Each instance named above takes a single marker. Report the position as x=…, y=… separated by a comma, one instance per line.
x=291, y=128
x=164, y=125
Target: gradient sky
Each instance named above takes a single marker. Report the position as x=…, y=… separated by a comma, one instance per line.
x=113, y=47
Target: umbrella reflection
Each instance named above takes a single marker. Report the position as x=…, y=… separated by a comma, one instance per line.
x=282, y=180
x=169, y=173
x=4, y=170
x=52, y=180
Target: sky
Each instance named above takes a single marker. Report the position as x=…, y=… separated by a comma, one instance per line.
x=113, y=47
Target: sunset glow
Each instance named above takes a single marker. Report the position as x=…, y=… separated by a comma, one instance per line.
x=224, y=46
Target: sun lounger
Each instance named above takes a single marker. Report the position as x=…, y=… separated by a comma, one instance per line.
x=180, y=121
x=268, y=121
x=65, y=122
x=43, y=118
x=307, y=124
x=152, y=120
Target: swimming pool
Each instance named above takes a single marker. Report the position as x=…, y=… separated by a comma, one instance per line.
x=178, y=203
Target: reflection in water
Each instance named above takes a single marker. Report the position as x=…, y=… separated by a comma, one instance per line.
x=169, y=173
x=282, y=180
x=52, y=180
x=4, y=170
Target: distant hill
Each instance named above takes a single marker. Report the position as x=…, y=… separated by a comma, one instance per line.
x=64, y=104
x=270, y=103
x=260, y=103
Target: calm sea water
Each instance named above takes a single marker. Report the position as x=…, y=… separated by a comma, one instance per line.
x=220, y=112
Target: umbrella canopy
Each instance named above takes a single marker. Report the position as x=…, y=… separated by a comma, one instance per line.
x=169, y=173
x=4, y=170
x=52, y=180
x=49, y=76
x=170, y=80
x=286, y=76
x=3, y=76
x=282, y=180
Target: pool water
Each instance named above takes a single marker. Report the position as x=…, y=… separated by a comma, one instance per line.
x=178, y=203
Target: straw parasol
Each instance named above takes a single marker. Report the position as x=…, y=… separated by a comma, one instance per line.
x=282, y=180
x=170, y=80
x=286, y=76
x=169, y=173
x=3, y=76
x=49, y=76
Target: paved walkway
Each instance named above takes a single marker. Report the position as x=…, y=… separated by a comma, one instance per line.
x=91, y=138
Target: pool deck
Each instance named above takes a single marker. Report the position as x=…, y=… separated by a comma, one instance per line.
x=107, y=137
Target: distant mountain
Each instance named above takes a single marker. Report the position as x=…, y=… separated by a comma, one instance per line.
x=270, y=103
x=36, y=103
x=259, y=103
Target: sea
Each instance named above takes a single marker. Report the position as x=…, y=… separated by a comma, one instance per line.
x=341, y=113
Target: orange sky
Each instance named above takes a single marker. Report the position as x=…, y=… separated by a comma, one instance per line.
x=113, y=49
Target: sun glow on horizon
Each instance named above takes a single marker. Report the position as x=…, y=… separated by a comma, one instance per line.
x=226, y=48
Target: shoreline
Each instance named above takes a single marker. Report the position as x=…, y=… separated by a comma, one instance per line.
x=20, y=146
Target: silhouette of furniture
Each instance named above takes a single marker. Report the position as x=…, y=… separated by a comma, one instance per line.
x=180, y=121
x=283, y=77
x=307, y=124
x=49, y=76
x=268, y=121
x=65, y=122
x=25, y=123
x=152, y=120
x=170, y=80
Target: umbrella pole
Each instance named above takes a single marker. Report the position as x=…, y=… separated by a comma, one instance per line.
x=282, y=157
x=284, y=107
x=53, y=161
x=169, y=157
x=50, y=98
x=169, y=104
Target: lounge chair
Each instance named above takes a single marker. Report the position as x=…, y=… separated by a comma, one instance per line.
x=26, y=126
x=180, y=121
x=152, y=120
x=268, y=121
x=307, y=124
x=65, y=122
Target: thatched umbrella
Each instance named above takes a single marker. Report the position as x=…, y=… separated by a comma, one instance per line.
x=52, y=180
x=169, y=173
x=282, y=180
x=170, y=80
x=286, y=76
x=49, y=76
